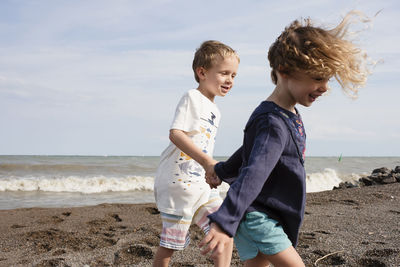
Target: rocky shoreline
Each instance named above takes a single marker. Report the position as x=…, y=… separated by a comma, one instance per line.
x=358, y=226
x=378, y=176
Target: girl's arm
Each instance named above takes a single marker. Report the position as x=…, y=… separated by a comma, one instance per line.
x=268, y=146
x=229, y=170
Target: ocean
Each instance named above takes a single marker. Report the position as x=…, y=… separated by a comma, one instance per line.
x=67, y=181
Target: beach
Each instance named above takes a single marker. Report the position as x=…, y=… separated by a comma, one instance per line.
x=345, y=227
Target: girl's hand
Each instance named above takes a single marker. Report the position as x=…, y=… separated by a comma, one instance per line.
x=215, y=241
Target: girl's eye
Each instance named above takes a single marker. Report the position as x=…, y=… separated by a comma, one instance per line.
x=321, y=79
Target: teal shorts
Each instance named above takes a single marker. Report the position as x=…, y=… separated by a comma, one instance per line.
x=259, y=233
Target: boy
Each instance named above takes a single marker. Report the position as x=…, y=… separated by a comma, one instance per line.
x=264, y=206
x=182, y=195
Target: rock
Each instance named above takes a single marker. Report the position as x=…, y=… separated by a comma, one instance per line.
x=397, y=176
x=367, y=181
x=381, y=170
x=377, y=177
x=397, y=169
x=389, y=180
x=344, y=185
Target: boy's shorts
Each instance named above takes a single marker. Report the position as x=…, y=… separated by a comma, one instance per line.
x=259, y=233
x=175, y=231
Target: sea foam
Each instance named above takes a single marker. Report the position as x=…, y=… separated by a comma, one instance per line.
x=87, y=185
x=322, y=181
x=318, y=181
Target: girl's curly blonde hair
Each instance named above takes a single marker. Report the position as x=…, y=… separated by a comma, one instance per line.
x=321, y=53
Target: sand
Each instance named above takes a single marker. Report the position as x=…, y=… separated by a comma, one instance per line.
x=349, y=227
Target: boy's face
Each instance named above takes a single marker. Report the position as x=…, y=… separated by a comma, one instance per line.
x=219, y=79
x=305, y=89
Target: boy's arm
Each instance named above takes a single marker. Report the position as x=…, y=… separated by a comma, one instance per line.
x=184, y=143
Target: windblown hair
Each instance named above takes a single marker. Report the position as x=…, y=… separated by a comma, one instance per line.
x=209, y=53
x=321, y=53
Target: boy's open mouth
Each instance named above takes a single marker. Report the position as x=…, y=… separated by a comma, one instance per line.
x=225, y=89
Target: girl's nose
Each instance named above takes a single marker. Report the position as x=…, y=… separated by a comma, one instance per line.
x=323, y=87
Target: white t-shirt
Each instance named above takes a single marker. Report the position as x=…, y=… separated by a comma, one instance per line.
x=179, y=185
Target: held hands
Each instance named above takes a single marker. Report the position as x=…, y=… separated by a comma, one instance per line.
x=211, y=177
x=215, y=241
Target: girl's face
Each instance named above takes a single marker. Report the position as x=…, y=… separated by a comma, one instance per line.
x=305, y=89
x=219, y=79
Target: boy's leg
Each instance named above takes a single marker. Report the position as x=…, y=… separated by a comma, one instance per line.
x=162, y=257
x=287, y=258
x=174, y=236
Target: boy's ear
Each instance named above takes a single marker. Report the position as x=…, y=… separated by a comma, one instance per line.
x=201, y=72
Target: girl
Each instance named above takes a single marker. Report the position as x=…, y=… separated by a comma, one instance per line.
x=264, y=207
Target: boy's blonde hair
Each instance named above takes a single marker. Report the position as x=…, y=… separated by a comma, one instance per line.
x=208, y=54
x=321, y=53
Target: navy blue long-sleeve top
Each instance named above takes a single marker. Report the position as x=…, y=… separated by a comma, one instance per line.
x=266, y=173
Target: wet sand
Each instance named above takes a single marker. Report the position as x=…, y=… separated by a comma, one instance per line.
x=347, y=227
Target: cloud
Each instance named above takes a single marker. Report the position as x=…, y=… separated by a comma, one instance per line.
x=122, y=66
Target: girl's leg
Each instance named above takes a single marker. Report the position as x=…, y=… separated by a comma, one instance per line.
x=260, y=260
x=286, y=258
x=162, y=257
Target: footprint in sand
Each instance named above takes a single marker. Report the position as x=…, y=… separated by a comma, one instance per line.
x=67, y=214
x=132, y=254
x=152, y=210
x=116, y=217
x=380, y=252
x=349, y=202
x=52, y=262
x=323, y=232
x=16, y=226
x=367, y=262
x=97, y=222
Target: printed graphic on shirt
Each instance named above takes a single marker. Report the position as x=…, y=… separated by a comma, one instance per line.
x=300, y=134
x=211, y=119
x=297, y=124
x=189, y=171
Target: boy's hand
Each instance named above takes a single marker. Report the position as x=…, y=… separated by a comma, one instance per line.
x=215, y=241
x=213, y=181
x=211, y=177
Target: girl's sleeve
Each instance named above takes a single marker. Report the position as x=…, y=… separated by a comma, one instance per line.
x=267, y=149
x=187, y=114
x=228, y=170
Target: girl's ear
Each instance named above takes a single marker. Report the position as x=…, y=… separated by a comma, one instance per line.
x=282, y=72
x=201, y=73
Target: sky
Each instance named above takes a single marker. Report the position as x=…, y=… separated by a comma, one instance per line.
x=97, y=77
